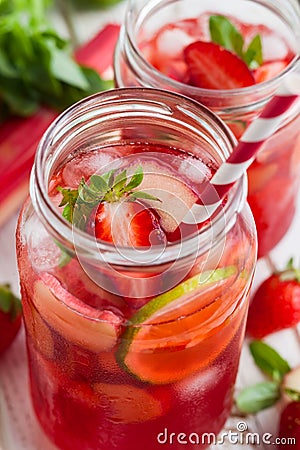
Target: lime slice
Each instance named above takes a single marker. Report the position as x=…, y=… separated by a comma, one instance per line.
x=163, y=330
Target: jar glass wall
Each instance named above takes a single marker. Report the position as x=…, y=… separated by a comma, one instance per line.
x=128, y=344
x=151, y=52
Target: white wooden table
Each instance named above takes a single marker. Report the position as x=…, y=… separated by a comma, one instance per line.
x=19, y=429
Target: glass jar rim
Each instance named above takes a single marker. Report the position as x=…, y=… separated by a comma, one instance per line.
x=149, y=71
x=85, y=243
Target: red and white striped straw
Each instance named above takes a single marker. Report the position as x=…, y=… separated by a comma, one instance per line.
x=244, y=153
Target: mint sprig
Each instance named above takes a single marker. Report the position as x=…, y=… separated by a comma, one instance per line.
x=110, y=187
x=224, y=33
x=253, y=399
x=36, y=64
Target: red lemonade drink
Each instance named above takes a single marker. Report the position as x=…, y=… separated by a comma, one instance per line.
x=134, y=318
x=231, y=57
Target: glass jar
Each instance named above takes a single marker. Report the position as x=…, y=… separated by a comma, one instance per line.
x=150, y=53
x=126, y=344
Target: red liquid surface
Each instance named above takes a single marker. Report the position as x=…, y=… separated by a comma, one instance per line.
x=181, y=377
x=274, y=178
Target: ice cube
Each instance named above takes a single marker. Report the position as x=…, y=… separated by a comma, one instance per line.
x=44, y=252
x=194, y=170
x=273, y=47
x=199, y=382
x=172, y=42
x=97, y=162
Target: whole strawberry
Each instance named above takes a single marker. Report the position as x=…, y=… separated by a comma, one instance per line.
x=276, y=303
x=10, y=317
x=289, y=426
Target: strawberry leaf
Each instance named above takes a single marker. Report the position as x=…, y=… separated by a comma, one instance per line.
x=260, y=396
x=109, y=177
x=294, y=395
x=291, y=272
x=108, y=187
x=136, y=179
x=9, y=303
x=269, y=361
x=120, y=181
x=98, y=183
x=89, y=194
x=68, y=201
x=143, y=195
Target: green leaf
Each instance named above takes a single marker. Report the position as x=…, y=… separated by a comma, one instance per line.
x=108, y=187
x=65, y=69
x=5, y=298
x=69, y=200
x=268, y=360
x=98, y=183
x=9, y=303
x=135, y=180
x=109, y=177
x=294, y=395
x=143, y=195
x=36, y=66
x=120, y=181
x=224, y=33
x=260, y=396
x=89, y=194
x=253, y=56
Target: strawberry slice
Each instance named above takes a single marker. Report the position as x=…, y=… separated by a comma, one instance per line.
x=269, y=70
x=128, y=224
x=210, y=66
x=122, y=217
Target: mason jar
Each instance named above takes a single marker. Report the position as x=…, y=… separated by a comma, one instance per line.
x=129, y=343
x=150, y=53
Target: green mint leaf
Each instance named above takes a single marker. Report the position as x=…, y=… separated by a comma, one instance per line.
x=260, y=396
x=224, y=33
x=135, y=180
x=36, y=66
x=294, y=395
x=269, y=361
x=144, y=195
x=65, y=69
x=253, y=56
x=9, y=303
